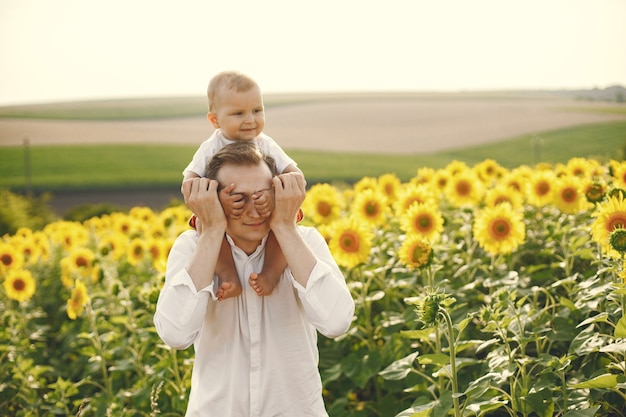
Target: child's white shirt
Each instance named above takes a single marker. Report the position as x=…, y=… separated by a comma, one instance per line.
x=217, y=141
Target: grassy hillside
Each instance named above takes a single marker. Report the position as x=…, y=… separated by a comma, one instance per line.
x=63, y=168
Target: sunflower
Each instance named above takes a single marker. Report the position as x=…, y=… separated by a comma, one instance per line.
x=581, y=167
x=499, y=229
x=371, y=206
x=366, y=183
x=124, y=224
x=517, y=178
x=82, y=261
x=489, y=171
x=323, y=203
x=424, y=175
x=594, y=191
x=10, y=257
x=19, y=285
x=175, y=219
x=136, y=251
x=77, y=301
x=440, y=180
x=112, y=245
x=569, y=196
x=389, y=185
x=27, y=246
x=540, y=188
x=142, y=214
x=618, y=170
x=609, y=215
x=465, y=189
x=502, y=193
x=415, y=252
x=456, y=167
x=350, y=241
x=68, y=234
x=424, y=220
x=157, y=250
x=412, y=193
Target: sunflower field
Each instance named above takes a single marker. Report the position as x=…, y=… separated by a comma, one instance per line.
x=479, y=290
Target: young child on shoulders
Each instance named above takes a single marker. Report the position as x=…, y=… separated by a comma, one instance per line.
x=236, y=112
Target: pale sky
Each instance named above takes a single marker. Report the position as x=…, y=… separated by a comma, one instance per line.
x=58, y=50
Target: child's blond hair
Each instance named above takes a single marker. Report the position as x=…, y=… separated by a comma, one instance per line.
x=228, y=80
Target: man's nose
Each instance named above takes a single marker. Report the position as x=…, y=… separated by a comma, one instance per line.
x=251, y=210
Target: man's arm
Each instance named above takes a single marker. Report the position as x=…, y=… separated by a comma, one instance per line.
x=201, y=197
x=190, y=268
x=289, y=195
x=320, y=283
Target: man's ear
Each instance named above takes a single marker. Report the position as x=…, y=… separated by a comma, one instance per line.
x=212, y=117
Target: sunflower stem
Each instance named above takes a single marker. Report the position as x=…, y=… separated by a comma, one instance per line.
x=452, y=348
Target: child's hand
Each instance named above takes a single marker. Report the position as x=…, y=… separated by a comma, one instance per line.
x=264, y=202
x=233, y=204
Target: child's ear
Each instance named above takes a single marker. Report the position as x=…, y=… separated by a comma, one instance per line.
x=212, y=117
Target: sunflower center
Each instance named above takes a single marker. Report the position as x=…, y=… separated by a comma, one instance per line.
x=6, y=259
x=81, y=262
x=542, y=188
x=463, y=188
x=500, y=229
x=423, y=223
x=371, y=209
x=324, y=208
x=569, y=195
x=19, y=285
x=617, y=220
x=349, y=241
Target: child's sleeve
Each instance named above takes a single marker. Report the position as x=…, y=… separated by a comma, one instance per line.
x=271, y=148
x=199, y=160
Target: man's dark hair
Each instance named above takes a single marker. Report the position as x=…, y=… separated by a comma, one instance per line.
x=240, y=153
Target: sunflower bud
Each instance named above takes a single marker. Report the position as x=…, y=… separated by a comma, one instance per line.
x=594, y=192
x=428, y=306
x=617, y=240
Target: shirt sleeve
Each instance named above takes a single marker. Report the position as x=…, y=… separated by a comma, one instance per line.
x=204, y=152
x=269, y=147
x=181, y=308
x=326, y=299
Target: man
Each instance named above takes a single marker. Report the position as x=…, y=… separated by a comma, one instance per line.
x=255, y=356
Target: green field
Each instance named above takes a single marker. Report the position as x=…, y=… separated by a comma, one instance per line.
x=65, y=167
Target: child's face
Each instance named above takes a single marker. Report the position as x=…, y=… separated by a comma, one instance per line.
x=240, y=116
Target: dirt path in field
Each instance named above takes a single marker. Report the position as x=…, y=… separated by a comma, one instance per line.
x=383, y=125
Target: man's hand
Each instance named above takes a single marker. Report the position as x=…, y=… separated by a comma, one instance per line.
x=290, y=190
x=201, y=198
